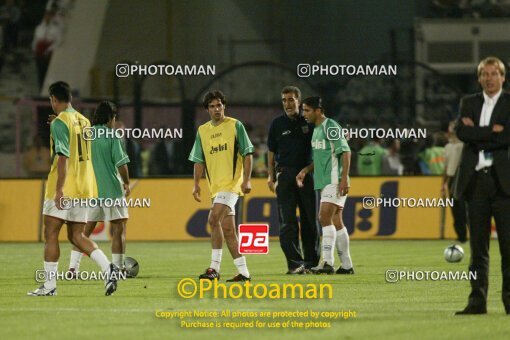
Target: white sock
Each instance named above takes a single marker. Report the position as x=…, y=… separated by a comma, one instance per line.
x=216, y=259
x=328, y=242
x=123, y=260
x=100, y=258
x=51, y=274
x=75, y=259
x=117, y=260
x=240, y=263
x=342, y=247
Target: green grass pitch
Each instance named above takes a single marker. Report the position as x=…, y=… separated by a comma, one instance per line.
x=404, y=310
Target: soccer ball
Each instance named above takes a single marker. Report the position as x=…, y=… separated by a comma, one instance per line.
x=453, y=253
x=131, y=266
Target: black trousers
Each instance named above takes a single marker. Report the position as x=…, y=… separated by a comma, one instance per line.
x=459, y=214
x=484, y=200
x=289, y=196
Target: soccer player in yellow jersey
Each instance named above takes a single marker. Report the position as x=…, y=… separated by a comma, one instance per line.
x=71, y=177
x=223, y=149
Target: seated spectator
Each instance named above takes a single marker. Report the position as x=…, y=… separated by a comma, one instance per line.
x=259, y=160
x=36, y=160
x=47, y=36
x=432, y=158
x=370, y=159
x=391, y=163
x=164, y=158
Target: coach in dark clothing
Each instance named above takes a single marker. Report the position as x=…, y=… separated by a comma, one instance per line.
x=289, y=144
x=483, y=178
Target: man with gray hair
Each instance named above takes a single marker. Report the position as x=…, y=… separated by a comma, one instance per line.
x=289, y=144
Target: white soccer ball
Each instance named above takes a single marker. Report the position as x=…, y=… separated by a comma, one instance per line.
x=453, y=253
x=132, y=267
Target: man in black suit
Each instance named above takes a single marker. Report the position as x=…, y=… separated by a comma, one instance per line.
x=483, y=178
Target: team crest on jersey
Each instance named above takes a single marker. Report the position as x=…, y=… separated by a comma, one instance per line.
x=305, y=129
x=319, y=144
x=219, y=148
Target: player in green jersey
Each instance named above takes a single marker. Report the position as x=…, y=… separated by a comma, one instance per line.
x=110, y=167
x=330, y=166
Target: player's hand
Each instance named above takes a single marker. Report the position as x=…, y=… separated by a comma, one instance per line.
x=58, y=199
x=127, y=190
x=467, y=121
x=497, y=128
x=51, y=118
x=270, y=184
x=246, y=187
x=196, y=193
x=300, y=178
x=343, y=187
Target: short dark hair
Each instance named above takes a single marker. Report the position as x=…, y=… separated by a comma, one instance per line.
x=212, y=95
x=61, y=91
x=104, y=112
x=292, y=89
x=314, y=102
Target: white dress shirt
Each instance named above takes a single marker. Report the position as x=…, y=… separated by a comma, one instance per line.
x=485, y=158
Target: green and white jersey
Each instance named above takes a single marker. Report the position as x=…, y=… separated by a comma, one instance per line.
x=328, y=145
x=107, y=155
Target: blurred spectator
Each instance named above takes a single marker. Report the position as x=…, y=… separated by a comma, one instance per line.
x=133, y=151
x=432, y=158
x=47, y=36
x=370, y=159
x=452, y=153
x=36, y=159
x=259, y=160
x=409, y=156
x=10, y=15
x=164, y=159
x=391, y=163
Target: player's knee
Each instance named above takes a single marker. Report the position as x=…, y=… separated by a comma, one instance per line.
x=227, y=230
x=50, y=235
x=214, y=220
x=117, y=231
x=76, y=238
x=324, y=219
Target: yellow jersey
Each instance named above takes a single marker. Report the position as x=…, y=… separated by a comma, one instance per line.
x=221, y=149
x=66, y=138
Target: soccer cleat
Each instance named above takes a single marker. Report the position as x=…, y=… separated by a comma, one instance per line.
x=210, y=274
x=43, y=291
x=239, y=278
x=323, y=268
x=113, y=277
x=298, y=271
x=345, y=271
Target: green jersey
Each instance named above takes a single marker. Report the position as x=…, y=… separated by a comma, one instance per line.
x=328, y=145
x=370, y=160
x=107, y=155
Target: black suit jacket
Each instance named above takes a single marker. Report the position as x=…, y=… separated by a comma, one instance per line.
x=478, y=138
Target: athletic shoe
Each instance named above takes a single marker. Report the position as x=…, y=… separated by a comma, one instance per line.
x=298, y=271
x=72, y=274
x=323, y=268
x=42, y=291
x=113, y=276
x=239, y=278
x=345, y=271
x=210, y=274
